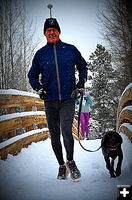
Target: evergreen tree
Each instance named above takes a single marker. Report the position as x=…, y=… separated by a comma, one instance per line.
x=104, y=100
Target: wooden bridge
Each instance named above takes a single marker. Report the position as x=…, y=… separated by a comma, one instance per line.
x=124, y=112
x=23, y=120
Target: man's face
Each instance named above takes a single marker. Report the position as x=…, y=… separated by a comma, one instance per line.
x=52, y=35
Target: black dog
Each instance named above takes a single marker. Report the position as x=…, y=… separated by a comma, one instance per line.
x=111, y=147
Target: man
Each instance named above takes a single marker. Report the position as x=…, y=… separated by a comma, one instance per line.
x=56, y=63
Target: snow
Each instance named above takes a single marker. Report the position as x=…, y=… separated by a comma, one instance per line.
x=17, y=92
x=127, y=108
x=127, y=87
x=127, y=125
x=18, y=137
x=31, y=175
x=22, y=114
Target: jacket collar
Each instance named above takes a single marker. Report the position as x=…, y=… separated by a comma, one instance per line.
x=57, y=44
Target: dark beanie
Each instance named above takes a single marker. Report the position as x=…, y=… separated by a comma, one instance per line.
x=51, y=23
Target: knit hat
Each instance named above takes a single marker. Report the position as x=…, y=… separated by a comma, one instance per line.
x=51, y=23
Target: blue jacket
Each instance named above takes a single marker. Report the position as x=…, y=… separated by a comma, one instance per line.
x=57, y=75
x=86, y=103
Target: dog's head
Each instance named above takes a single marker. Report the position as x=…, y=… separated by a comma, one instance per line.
x=112, y=140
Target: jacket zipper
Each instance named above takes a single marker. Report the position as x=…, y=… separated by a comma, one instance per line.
x=57, y=71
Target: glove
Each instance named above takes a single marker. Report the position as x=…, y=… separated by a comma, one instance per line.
x=79, y=89
x=41, y=92
x=77, y=93
x=74, y=94
x=81, y=83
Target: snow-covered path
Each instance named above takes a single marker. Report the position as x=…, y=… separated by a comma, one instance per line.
x=31, y=175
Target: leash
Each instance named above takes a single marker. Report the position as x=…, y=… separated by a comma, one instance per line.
x=80, y=107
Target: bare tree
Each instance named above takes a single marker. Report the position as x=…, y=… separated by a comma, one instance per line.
x=116, y=21
x=16, y=44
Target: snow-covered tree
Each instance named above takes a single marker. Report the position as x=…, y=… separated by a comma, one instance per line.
x=103, y=81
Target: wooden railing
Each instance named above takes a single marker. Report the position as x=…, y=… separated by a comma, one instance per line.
x=124, y=112
x=22, y=121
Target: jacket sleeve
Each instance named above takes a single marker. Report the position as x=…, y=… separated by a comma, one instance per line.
x=88, y=99
x=33, y=74
x=81, y=65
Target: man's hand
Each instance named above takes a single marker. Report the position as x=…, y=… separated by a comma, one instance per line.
x=77, y=93
x=42, y=93
x=79, y=89
x=81, y=83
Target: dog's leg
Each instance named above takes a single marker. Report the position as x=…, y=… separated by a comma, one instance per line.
x=119, y=164
x=109, y=167
x=112, y=163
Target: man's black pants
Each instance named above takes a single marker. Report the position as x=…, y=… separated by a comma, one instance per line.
x=60, y=116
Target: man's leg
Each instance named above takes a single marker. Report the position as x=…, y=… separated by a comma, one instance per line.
x=66, y=119
x=53, y=119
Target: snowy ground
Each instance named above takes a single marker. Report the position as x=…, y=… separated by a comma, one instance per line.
x=31, y=175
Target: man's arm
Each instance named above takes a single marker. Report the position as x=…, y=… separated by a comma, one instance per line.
x=33, y=75
x=81, y=66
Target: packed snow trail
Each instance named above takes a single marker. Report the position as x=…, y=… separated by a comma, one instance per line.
x=31, y=175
